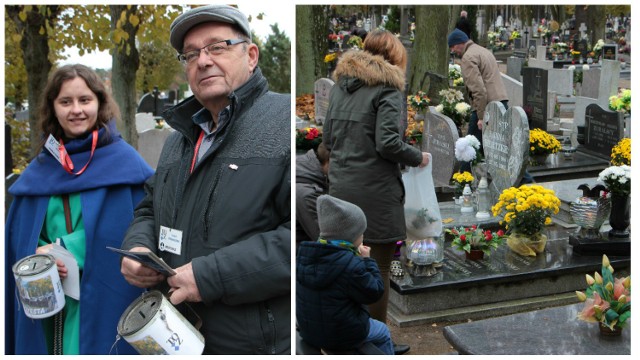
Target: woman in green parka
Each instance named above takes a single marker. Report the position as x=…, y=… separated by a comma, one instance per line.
x=362, y=131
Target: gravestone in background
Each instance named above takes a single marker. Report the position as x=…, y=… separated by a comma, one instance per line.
x=145, y=121
x=506, y=146
x=609, y=81
x=150, y=143
x=609, y=51
x=514, y=67
x=560, y=81
x=321, y=90
x=590, y=83
x=603, y=130
x=533, y=43
x=541, y=52
x=439, y=138
x=535, y=95
x=582, y=46
x=517, y=43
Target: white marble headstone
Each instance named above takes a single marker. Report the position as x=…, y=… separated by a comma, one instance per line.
x=322, y=88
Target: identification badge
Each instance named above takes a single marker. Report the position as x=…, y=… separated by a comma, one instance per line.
x=170, y=240
x=54, y=147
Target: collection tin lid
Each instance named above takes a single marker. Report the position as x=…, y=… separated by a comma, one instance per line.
x=140, y=312
x=33, y=265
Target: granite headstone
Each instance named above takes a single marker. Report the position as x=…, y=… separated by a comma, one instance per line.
x=560, y=81
x=322, y=88
x=514, y=67
x=609, y=51
x=541, y=52
x=609, y=81
x=582, y=46
x=506, y=146
x=517, y=43
x=535, y=84
x=590, y=82
x=439, y=139
x=150, y=143
x=603, y=130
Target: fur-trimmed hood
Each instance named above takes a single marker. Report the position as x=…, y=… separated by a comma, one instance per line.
x=361, y=68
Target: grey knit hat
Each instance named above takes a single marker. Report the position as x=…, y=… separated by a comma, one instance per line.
x=210, y=13
x=339, y=220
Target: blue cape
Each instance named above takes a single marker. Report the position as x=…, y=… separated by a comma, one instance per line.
x=109, y=190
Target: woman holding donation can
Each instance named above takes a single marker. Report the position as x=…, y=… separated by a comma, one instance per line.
x=79, y=192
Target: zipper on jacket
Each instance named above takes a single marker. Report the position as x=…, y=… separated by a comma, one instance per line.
x=213, y=191
x=272, y=324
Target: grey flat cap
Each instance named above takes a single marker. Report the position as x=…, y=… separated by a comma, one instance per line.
x=210, y=13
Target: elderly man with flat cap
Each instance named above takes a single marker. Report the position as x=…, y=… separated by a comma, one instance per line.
x=218, y=210
x=481, y=76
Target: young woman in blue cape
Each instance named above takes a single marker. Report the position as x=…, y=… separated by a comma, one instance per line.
x=84, y=196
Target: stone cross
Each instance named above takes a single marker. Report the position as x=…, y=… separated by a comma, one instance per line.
x=583, y=29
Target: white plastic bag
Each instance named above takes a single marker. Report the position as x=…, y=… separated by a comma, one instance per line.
x=421, y=210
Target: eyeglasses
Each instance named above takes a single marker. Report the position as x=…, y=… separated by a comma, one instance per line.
x=216, y=48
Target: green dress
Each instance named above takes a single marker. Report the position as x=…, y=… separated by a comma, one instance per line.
x=54, y=228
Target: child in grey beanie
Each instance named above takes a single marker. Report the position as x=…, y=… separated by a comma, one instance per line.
x=335, y=276
x=340, y=220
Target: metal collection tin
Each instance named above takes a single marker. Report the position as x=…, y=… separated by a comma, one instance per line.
x=39, y=286
x=153, y=326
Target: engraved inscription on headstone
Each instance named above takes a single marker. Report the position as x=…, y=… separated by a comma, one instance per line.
x=506, y=146
x=535, y=83
x=322, y=88
x=439, y=139
x=603, y=129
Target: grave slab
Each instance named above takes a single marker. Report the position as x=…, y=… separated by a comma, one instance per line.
x=498, y=281
x=551, y=331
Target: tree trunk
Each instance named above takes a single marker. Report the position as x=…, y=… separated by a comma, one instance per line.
x=596, y=21
x=311, y=46
x=430, y=53
x=125, y=63
x=35, y=48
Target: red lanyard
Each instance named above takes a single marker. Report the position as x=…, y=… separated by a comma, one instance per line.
x=67, y=164
x=195, y=151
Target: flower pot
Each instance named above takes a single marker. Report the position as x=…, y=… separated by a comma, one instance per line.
x=620, y=217
x=590, y=213
x=527, y=245
x=474, y=254
x=607, y=332
x=538, y=160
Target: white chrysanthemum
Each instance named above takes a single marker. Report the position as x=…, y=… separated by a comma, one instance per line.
x=462, y=108
x=439, y=108
x=585, y=67
x=464, y=150
x=473, y=141
x=572, y=67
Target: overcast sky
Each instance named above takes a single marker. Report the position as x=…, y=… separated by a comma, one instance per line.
x=284, y=16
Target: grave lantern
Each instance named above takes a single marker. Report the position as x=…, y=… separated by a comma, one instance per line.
x=467, y=200
x=484, y=199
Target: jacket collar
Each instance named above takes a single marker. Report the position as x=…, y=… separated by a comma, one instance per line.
x=179, y=116
x=467, y=45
